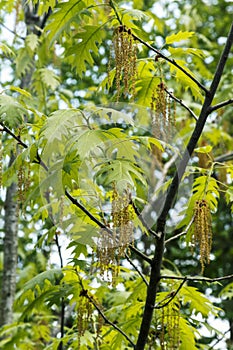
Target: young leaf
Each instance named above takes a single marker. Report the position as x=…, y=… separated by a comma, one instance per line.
x=11, y=111
x=178, y=37
x=81, y=53
x=60, y=20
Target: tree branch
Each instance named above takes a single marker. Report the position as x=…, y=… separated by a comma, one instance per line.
x=84, y=210
x=12, y=31
x=159, y=53
x=136, y=269
x=181, y=103
x=161, y=222
x=171, y=296
x=143, y=256
x=91, y=299
x=172, y=62
x=220, y=105
x=181, y=233
x=17, y=138
x=224, y=158
x=140, y=217
x=199, y=279
x=220, y=339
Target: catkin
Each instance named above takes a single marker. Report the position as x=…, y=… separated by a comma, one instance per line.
x=125, y=51
x=202, y=231
x=163, y=113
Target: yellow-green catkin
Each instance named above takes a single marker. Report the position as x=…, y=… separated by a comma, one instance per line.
x=202, y=231
x=163, y=112
x=113, y=245
x=125, y=52
x=170, y=327
x=84, y=312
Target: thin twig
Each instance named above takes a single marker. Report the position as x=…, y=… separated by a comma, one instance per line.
x=17, y=138
x=171, y=296
x=102, y=225
x=137, y=269
x=143, y=256
x=220, y=339
x=12, y=31
x=172, y=62
x=91, y=299
x=159, y=53
x=224, y=158
x=87, y=212
x=220, y=105
x=181, y=233
x=139, y=215
x=198, y=279
x=111, y=3
x=181, y=103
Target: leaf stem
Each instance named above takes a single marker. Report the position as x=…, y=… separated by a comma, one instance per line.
x=181, y=103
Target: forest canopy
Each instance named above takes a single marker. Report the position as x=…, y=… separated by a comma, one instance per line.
x=116, y=174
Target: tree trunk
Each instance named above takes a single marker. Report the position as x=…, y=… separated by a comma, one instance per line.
x=10, y=254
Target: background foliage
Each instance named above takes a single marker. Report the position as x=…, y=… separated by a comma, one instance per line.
x=98, y=102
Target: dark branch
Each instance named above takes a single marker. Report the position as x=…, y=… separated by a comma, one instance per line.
x=102, y=225
x=17, y=138
x=159, y=53
x=220, y=339
x=84, y=210
x=220, y=105
x=161, y=222
x=171, y=296
x=172, y=62
x=224, y=158
x=143, y=256
x=180, y=234
x=199, y=279
x=12, y=31
x=181, y=103
x=136, y=269
x=107, y=321
x=140, y=217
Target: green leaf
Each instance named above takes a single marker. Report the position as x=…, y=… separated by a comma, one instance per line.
x=11, y=111
x=81, y=53
x=63, y=15
x=21, y=91
x=227, y=292
x=229, y=195
x=122, y=172
x=49, y=78
x=178, y=37
x=181, y=52
x=60, y=124
x=147, y=141
x=6, y=50
x=53, y=276
x=198, y=302
x=187, y=335
x=145, y=89
x=32, y=41
x=23, y=62
x=204, y=149
x=186, y=80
